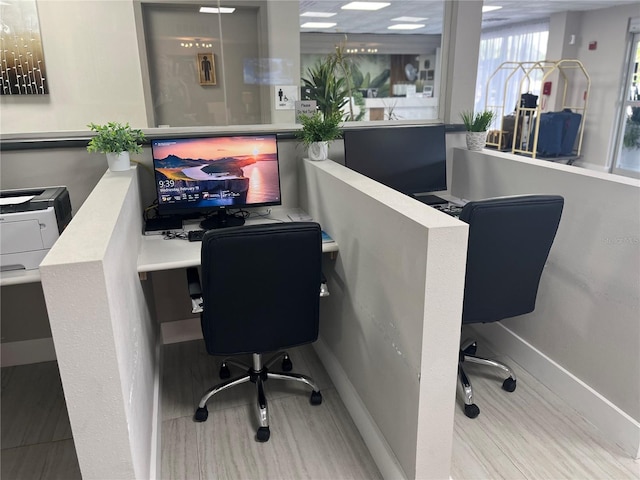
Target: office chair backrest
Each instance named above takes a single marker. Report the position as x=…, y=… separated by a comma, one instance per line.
x=260, y=287
x=509, y=242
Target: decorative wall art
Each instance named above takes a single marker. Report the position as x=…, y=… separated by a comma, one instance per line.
x=22, y=69
x=206, y=69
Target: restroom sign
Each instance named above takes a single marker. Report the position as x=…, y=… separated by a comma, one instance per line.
x=286, y=96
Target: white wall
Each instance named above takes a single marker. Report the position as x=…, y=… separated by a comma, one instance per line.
x=586, y=317
x=391, y=327
x=93, y=69
x=106, y=342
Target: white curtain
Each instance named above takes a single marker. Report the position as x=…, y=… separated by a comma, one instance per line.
x=515, y=43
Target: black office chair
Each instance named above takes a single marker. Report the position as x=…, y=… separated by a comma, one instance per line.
x=509, y=242
x=261, y=287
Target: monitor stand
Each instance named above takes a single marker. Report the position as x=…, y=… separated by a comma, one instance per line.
x=221, y=219
x=430, y=199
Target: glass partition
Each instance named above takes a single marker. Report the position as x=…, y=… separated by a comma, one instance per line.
x=235, y=64
x=202, y=66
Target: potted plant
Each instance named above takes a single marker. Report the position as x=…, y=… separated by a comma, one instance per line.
x=117, y=141
x=477, y=125
x=317, y=131
x=329, y=91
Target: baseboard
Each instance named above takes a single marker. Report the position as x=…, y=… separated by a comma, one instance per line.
x=614, y=424
x=181, y=331
x=27, y=351
x=380, y=450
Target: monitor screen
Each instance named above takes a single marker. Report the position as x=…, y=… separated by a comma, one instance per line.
x=210, y=175
x=408, y=159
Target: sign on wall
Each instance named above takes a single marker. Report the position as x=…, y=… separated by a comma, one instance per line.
x=286, y=96
x=22, y=69
x=206, y=69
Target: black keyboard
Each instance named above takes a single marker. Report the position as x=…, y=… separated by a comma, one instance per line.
x=431, y=199
x=449, y=209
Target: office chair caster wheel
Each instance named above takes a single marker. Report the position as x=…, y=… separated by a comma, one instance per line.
x=509, y=385
x=471, y=349
x=471, y=411
x=287, y=366
x=201, y=414
x=316, y=398
x=263, y=434
x=224, y=372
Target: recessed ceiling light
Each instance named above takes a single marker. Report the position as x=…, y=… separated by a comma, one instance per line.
x=317, y=14
x=409, y=19
x=217, y=10
x=489, y=8
x=365, y=5
x=405, y=26
x=317, y=25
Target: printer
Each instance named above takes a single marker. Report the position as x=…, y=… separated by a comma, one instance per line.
x=31, y=220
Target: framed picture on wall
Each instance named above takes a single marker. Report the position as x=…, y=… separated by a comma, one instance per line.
x=430, y=74
x=206, y=69
x=22, y=69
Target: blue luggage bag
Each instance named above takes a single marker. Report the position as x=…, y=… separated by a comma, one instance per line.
x=557, y=133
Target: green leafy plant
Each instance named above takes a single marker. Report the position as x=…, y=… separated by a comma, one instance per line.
x=115, y=138
x=477, y=122
x=329, y=92
x=319, y=128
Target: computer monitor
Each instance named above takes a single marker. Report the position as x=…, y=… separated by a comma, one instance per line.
x=210, y=175
x=409, y=159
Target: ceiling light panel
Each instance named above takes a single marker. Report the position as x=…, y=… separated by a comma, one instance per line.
x=317, y=25
x=409, y=19
x=317, y=14
x=489, y=8
x=371, y=6
x=405, y=26
x=217, y=10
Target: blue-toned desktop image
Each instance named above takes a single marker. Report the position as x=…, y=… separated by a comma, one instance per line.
x=208, y=175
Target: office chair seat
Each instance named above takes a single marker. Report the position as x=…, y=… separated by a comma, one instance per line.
x=509, y=243
x=260, y=293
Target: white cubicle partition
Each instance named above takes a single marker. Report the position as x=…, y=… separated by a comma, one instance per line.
x=583, y=339
x=389, y=332
x=106, y=342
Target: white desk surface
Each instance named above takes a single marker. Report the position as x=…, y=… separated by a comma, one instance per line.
x=156, y=253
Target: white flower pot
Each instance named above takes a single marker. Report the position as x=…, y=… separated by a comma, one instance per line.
x=318, y=151
x=119, y=162
x=476, y=140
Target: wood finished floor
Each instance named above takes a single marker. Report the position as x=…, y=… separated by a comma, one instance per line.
x=528, y=434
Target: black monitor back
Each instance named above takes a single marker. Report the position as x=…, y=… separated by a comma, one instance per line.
x=408, y=159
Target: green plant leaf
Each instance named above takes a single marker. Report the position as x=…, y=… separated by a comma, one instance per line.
x=319, y=128
x=477, y=122
x=115, y=138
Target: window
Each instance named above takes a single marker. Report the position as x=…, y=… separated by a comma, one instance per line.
x=518, y=43
x=627, y=153
x=188, y=89
x=257, y=55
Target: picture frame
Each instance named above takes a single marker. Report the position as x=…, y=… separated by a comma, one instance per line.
x=22, y=69
x=430, y=74
x=206, y=67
